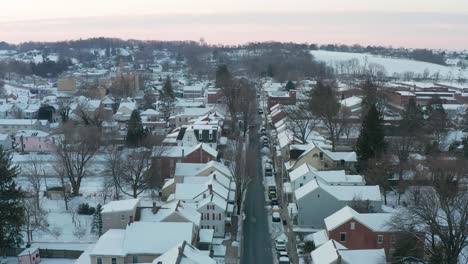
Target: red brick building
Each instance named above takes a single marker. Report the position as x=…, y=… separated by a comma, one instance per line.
x=363, y=231
x=281, y=97
x=164, y=159
x=214, y=95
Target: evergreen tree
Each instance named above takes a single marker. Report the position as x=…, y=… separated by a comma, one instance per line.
x=465, y=148
x=370, y=143
x=135, y=132
x=11, y=209
x=412, y=122
x=96, y=225
x=290, y=86
x=436, y=122
x=270, y=71
x=167, y=99
x=223, y=76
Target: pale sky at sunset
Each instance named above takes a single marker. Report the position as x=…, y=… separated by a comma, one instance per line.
x=410, y=23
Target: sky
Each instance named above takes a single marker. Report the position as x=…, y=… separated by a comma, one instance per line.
x=398, y=23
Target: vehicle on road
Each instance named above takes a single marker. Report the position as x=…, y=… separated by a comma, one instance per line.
x=276, y=217
x=280, y=243
x=260, y=111
x=282, y=253
x=275, y=209
x=274, y=202
x=284, y=260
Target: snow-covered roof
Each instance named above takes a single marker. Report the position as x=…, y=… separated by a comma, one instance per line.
x=337, y=156
x=149, y=112
x=31, y=133
x=4, y=137
x=351, y=101
x=28, y=251
x=377, y=222
x=319, y=238
x=363, y=256
x=180, y=151
x=120, y=205
x=193, y=169
x=151, y=238
x=22, y=122
x=206, y=235
x=169, y=209
x=342, y=192
x=184, y=253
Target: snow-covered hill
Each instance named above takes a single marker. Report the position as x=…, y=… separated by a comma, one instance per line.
x=393, y=66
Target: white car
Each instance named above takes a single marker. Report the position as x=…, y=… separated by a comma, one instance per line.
x=276, y=217
x=284, y=260
x=280, y=245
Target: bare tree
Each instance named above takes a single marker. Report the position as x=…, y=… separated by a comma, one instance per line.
x=78, y=145
x=35, y=174
x=246, y=105
x=301, y=121
x=378, y=172
x=241, y=163
x=231, y=91
x=135, y=172
x=114, y=166
x=440, y=218
x=35, y=219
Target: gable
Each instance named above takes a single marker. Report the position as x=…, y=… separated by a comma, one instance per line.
x=205, y=135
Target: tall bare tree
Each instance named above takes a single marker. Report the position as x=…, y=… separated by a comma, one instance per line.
x=241, y=163
x=301, y=121
x=135, y=172
x=440, y=214
x=35, y=174
x=246, y=105
x=76, y=148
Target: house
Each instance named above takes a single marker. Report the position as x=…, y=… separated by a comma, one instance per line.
x=194, y=91
x=11, y=126
x=117, y=214
x=213, y=95
x=150, y=115
x=317, y=200
x=281, y=97
x=306, y=172
x=173, y=211
x=212, y=200
x=5, y=141
x=29, y=255
x=320, y=158
x=35, y=141
x=353, y=103
x=333, y=252
x=184, y=253
x=163, y=160
x=192, y=135
x=66, y=84
x=141, y=242
x=186, y=115
x=125, y=110
x=364, y=230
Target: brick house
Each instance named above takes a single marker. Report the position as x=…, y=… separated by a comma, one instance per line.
x=281, y=97
x=164, y=159
x=363, y=231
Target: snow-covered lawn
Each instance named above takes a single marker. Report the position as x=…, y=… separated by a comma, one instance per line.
x=392, y=65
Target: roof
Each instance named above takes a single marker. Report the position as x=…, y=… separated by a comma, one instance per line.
x=351, y=101
x=31, y=133
x=184, y=253
x=120, y=205
x=346, y=156
x=169, y=209
x=28, y=251
x=155, y=237
x=206, y=235
x=342, y=192
x=4, y=136
x=332, y=251
x=22, y=122
x=180, y=151
x=193, y=169
x=377, y=222
x=143, y=238
x=319, y=238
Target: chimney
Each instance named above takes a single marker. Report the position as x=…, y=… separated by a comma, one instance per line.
x=210, y=188
x=130, y=219
x=155, y=208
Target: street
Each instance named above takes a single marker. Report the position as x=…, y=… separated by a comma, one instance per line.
x=257, y=245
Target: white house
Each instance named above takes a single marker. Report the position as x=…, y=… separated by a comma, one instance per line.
x=184, y=253
x=192, y=135
x=317, y=200
x=306, y=172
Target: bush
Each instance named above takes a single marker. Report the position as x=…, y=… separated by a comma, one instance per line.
x=85, y=209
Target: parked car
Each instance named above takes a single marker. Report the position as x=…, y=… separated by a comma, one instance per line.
x=260, y=111
x=282, y=253
x=284, y=260
x=275, y=209
x=274, y=202
x=272, y=195
x=276, y=217
x=280, y=244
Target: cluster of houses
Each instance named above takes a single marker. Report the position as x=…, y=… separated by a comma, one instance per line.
x=328, y=204
x=192, y=213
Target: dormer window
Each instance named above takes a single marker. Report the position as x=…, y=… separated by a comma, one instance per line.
x=211, y=135
x=200, y=135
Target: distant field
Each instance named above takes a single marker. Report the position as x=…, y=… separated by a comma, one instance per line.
x=392, y=65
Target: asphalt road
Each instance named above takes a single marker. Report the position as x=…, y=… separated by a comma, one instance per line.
x=256, y=246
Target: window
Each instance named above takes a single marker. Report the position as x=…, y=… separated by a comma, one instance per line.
x=211, y=136
x=214, y=216
x=122, y=217
x=352, y=226
x=343, y=237
x=207, y=216
x=99, y=260
x=135, y=259
x=114, y=261
x=199, y=135
x=201, y=216
x=208, y=207
x=219, y=216
x=321, y=155
x=301, y=184
x=392, y=239
x=380, y=239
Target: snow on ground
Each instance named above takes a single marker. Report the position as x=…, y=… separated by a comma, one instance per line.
x=392, y=65
x=16, y=91
x=14, y=260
